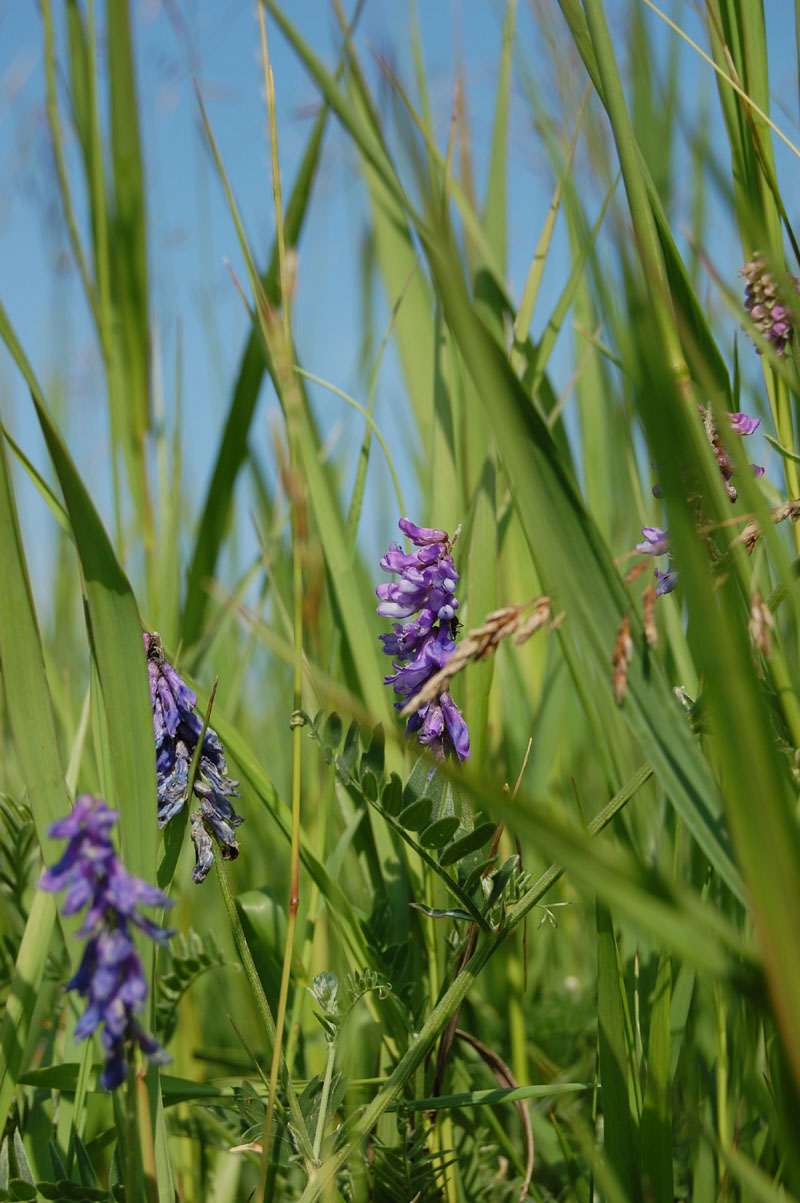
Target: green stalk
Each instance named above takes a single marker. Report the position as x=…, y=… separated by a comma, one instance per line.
x=265, y=1013
x=145, y=1135
x=635, y=187
x=299, y=526
x=323, y=1103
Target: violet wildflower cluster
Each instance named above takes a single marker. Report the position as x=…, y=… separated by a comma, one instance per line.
x=177, y=728
x=427, y=589
x=766, y=301
x=110, y=976
x=655, y=539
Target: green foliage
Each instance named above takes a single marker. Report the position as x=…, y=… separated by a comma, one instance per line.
x=409, y=1170
x=380, y=906
x=188, y=957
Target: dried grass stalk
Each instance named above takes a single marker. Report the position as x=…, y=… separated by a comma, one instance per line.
x=750, y=533
x=621, y=658
x=514, y=622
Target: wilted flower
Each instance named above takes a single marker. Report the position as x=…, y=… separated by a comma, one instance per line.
x=110, y=976
x=767, y=302
x=421, y=647
x=177, y=728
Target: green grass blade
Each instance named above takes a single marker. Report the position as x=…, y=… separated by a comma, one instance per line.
x=585, y=580
x=656, y=1132
x=129, y=242
x=53, y=504
x=30, y=712
x=618, y=1128
x=765, y=835
x=232, y=451
x=115, y=634
x=494, y=211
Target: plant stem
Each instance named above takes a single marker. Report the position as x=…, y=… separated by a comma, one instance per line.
x=299, y=527
x=323, y=1103
x=264, y=1010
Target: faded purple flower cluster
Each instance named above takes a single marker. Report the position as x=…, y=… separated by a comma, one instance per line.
x=656, y=543
x=427, y=589
x=177, y=729
x=741, y=424
x=110, y=975
x=765, y=300
x=655, y=540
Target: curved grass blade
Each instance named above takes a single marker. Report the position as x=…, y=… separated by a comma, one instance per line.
x=30, y=711
x=232, y=452
x=115, y=637
x=584, y=577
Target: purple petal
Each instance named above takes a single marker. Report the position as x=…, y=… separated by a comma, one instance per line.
x=456, y=726
x=421, y=535
x=656, y=541
x=666, y=581
x=743, y=424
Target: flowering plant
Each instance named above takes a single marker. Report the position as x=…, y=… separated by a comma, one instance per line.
x=110, y=975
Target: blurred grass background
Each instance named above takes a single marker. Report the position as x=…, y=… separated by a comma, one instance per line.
x=542, y=212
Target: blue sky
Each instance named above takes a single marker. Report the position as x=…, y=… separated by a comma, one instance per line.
x=192, y=235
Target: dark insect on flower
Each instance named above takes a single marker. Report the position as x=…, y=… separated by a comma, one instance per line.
x=110, y=976
x=177, y=728
x=427, y=589
x=772, y=305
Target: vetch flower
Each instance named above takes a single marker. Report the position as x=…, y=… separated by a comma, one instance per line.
x=656, y=541
x=742, y=424
x=177, y=728
x=768, y=302
x=110, y=976
x=426, y=594
x=667, y=581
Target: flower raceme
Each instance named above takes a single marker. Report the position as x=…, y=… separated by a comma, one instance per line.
x=766, y=300
x=425, y=594
x=655, y=541
x=177, y=729
x=110, y=976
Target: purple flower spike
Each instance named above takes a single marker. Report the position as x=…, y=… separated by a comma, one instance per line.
x=420, y=647
x=176, y=729
x=772, y=304
x=110, y=976
x=656, y=541
x=743, y=424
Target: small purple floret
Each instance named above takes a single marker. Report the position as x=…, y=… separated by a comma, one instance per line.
x=420, y=647
x=743, y=424
x=110, y=976
x=176, y=729
x=656, y=541
x=666, y=581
